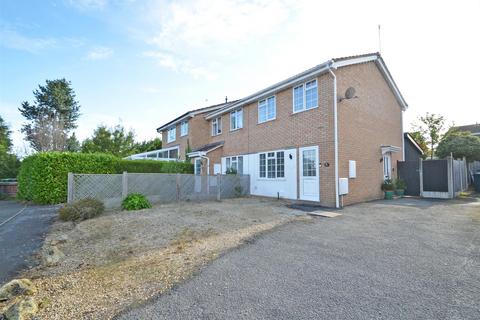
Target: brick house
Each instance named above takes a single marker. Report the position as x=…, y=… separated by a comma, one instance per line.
x=335, y=126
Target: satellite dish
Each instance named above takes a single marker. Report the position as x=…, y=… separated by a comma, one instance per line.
x=350, y=93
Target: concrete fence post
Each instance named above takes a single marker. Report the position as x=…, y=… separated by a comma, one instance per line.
x=124, y=184
x=451, y=190
x=219, y=187
x=177, y=183
x=70, y=187
x=420, y=173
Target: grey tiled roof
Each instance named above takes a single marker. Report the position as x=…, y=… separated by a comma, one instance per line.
x=208, y=147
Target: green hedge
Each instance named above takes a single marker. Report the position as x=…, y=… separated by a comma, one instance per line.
x=43, y=176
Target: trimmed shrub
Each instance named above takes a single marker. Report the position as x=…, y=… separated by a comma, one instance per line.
x=43, y=176
x=153, y=166
x=135, y=201
x=81, y=210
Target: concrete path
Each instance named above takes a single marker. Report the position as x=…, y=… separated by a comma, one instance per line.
x=21, y=236
x=405, y=259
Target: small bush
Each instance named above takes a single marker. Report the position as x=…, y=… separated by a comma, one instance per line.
x=135, y=201
x=231, y=171
x=388, y=185
x=400, y=184
x=81, y=210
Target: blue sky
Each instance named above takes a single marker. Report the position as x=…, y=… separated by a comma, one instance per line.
x=145, y=62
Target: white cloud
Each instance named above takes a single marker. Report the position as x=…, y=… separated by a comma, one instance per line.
x=88, y=4
x=99, y=53
x=14, y=40
x=211, y=24
x=197, y=37
x=177, y=64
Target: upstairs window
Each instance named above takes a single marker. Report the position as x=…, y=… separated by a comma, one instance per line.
x=272, y=165
x=172, y=132
x=236, y=119
x=183, y=128
x=305, y=96
x=216, y=126
x=267, y=110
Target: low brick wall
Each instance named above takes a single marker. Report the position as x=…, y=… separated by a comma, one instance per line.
x=9, y=188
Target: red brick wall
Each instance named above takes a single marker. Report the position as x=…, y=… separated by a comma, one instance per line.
x=312, y=127
x=365, y=123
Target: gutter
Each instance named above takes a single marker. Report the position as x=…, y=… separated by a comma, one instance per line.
x=335, y=131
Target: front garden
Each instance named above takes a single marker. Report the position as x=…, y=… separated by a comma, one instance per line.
x=98, y=265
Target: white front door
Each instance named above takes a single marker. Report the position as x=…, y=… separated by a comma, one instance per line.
x=309, y=175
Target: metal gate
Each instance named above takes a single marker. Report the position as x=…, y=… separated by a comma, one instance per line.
x=409, y=171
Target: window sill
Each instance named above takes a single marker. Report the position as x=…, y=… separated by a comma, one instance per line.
x=233, y=130
x=304, y=110
x=267, y=121
x=272, y=179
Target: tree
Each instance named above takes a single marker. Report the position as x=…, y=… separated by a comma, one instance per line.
x=51, y=117
x=459, y=144
x=5, y=140
x=148, y=145
x=116, y=141
x=73, y=145
x=417, y=136
x=9, y=163
x=430, y=128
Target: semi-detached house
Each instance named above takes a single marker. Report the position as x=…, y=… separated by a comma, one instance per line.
x=311, y=137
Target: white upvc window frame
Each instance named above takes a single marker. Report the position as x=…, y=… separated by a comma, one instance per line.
x=234, y=162
x=183, y=128
x=304, y=96
x=171, y=137
x=264, y=103
x=217, y=126
x=236, y=119
x=275, y=157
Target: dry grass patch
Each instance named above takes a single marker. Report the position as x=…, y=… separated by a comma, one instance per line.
x=122, y=259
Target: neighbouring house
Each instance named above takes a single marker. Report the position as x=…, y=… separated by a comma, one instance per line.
x=330, y=134
x=413, y=152
x=474, y=129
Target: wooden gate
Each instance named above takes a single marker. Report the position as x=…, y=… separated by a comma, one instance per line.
x=409, y=171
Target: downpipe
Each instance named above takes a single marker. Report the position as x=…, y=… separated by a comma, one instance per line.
x=335, y=134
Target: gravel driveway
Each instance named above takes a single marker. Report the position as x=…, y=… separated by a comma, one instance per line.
x=21, y=236
x=404, y=259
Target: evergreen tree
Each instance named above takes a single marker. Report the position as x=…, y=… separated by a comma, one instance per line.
x=51, y=117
